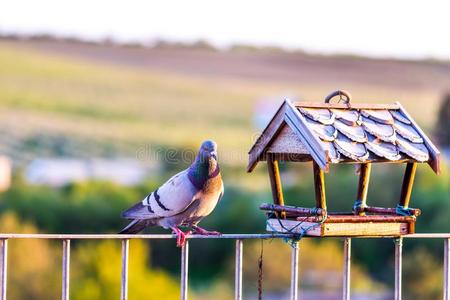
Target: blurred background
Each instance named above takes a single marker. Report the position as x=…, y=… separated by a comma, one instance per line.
x=100, y=102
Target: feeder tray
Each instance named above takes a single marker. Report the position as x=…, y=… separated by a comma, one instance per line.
x=336, y=133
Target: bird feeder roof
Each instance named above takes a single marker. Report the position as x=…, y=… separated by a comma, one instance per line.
x=332, y=133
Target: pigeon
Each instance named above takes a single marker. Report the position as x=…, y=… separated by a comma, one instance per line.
x=184, y=200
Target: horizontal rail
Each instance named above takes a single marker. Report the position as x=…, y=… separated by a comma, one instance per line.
x=194, y=236
x=137, y=236
x=66, y=238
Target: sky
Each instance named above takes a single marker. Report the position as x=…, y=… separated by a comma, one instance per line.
x=400, y=29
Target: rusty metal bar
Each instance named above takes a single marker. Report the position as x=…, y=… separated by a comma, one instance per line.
x=294, y=271
x=347, y=264
x=398, y=268
x=184, y=270
x=65, y=270
x=3, y=267
x=170, y=236
x=428, y=236
x=300, y=211
x=446, y=269
x=140, y=236
x=238, y=271
x=124, y=277
x=66, y=238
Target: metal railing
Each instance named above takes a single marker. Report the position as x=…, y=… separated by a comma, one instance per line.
x=66, y=238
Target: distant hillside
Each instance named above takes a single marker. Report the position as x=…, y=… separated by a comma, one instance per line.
x=243, y=62
x=84, y=99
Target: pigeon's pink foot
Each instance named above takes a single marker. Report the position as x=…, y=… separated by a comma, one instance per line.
x=202, y=231
x=181, y=236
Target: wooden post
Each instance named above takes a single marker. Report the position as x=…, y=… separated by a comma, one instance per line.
x=363, y=186
x=275, y=181
x=408, y=181
x=319, y=183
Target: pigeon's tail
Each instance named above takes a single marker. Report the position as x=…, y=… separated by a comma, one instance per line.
x=134, y=227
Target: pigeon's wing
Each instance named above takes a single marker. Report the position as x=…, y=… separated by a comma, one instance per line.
x=221, y=192
x=170, y=199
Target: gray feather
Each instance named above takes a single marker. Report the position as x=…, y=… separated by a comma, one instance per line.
x=135, y=226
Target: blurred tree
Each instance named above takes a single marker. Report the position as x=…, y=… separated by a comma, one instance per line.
x=321, y=266
x=443, y=122
x=33, y=265
x=422, y=275
x=76, y=208
x=96, y=206
x=97, y=268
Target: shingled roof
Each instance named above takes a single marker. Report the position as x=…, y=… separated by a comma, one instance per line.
x=331, y=133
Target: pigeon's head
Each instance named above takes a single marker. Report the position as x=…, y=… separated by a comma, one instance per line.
x=208, y=151
x=205, y=165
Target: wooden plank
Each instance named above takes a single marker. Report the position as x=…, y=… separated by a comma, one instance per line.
x=363, y=186
x=319, y=185
x=346, y=106
x=374, y=159
x=304, y=211
x=365, y=229
x=295, y=157
x=338, y=229
x=287, y=141
x=389, y=210
x=359, y=219
x=297, y=122
x=408, y=182
x=292, y=226
x=266, y=137
x=435, y=155
x=275, y=182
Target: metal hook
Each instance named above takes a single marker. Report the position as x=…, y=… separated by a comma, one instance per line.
x=341, y=94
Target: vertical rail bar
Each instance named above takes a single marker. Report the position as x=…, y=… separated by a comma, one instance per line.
x=65, y=269
x=347, y=262
x=446, y=269
x=3, y=266
x=124, y=278
x=238, y=271
x=184, y=270
x=398, y=268
x=294, y=271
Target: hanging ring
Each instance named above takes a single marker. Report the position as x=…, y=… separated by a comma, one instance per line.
x=344, y=96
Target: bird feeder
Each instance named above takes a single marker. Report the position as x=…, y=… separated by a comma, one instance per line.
x=341, y=132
